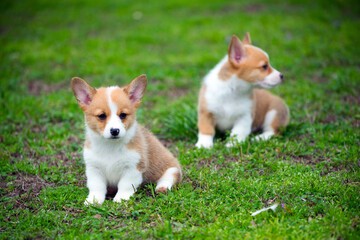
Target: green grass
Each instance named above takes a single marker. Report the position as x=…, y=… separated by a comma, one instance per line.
x=311, y=169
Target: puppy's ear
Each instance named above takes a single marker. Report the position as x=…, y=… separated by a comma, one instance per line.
x=247, y=39
x=83, y=92
x=136, y=89
x=236, y=51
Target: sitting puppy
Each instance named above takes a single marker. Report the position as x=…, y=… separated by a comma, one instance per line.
x=228, y=100
x=118, y=152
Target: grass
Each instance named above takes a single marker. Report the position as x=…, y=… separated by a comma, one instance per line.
x=311, y=169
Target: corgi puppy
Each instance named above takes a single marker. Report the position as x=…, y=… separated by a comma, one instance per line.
x=119, y=152
x=229, y=101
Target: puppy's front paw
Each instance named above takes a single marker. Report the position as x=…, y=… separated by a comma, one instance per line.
x=94, y=199
x=264, y=136
x=205, y=141
x=122, y=196
x=204, y=145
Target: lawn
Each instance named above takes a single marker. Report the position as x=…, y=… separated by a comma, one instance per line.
x=312, y=170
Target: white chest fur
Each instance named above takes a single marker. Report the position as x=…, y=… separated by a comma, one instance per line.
x=228, y=100
x=110, y=158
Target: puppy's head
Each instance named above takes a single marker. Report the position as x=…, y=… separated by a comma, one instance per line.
x=252, y=64
x=109, y=112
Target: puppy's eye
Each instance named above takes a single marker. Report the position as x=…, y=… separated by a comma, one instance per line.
x=122, y=115
x=265, y=67
x=102, y=116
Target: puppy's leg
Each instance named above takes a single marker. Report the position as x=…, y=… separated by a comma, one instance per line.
x=128, y=184
x=277, y=117
x=206, y=122
x=268, y=129
x=96, y=184
x=206, y=125
x=241, y=129
x=168, y=179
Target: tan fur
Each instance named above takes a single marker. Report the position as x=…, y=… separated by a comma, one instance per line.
x=155, y=158
x=264, y=102
x=206, y=121
x=99, y=105
x=226, y=71
x=251, y=69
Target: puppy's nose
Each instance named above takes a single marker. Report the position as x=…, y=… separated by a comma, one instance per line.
x=114, y=132
x=281, y=77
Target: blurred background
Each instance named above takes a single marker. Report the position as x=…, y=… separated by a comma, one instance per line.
x=46, y=43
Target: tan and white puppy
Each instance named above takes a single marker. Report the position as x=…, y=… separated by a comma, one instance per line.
x=118, y=152
x=229, y=101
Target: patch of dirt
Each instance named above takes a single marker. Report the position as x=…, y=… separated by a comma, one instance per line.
x=319, y=78
x=249, y=8
x=330, y=118
x=64, y=159
x=330, y=166
x=254, y=8
x=213, y=162
x=25, y=186
x=356, y=123
x=227, y=9
x=351, y=99
x=305, y=159
x=73, y=211
x=37, y=87
x=74, y=139
x=337, y=167
x=194, y=182
x=173, y=93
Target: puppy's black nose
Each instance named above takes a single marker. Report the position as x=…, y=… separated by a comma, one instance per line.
x=114, y=132
x=281, y=76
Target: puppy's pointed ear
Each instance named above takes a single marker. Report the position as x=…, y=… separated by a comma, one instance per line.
x=136, y=89
x=247, y=39
x=236, y=51
x=83, y=92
